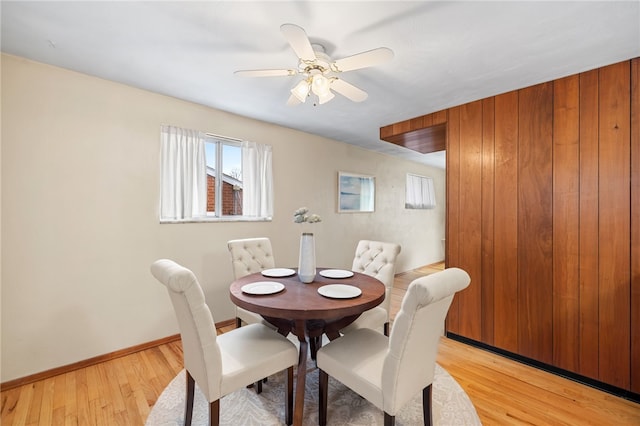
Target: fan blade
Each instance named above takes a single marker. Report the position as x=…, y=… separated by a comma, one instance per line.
x=364, y=59
x=348, y=90
x=266, y=73
x=299, y=41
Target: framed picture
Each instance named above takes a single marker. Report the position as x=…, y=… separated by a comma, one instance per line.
x=356, y=193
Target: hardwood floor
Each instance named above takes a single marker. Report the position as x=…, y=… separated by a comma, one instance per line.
x=123, y=390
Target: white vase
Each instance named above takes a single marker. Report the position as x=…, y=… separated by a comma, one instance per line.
x=307, y=261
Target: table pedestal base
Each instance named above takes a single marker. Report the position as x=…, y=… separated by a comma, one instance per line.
x=313, y=330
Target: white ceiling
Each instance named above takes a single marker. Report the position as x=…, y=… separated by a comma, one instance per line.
x=446, y=52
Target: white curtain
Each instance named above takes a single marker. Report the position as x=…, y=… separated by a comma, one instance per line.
x=420, y=193
x=257, y=188
x=183, y=182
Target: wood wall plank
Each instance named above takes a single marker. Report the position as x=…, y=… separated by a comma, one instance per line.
x=453, y=209
x=635, y=225
x=506, y=220
x=416, y=123
x=440, y=117
x=488, y=202
x=470, y=246
x=401, y=127
x=535, y=222
x=566, y=213
x=427, y=120
x=614, y=224
x=588, y=225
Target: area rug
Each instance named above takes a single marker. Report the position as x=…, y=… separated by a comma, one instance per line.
x=451, y=405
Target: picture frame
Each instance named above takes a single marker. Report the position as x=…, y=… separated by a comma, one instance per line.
x=356, y=193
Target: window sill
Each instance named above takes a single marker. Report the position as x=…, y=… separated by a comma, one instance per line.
x=217, y=219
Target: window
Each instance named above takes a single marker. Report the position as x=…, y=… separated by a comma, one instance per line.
x=420, y=193
x=205, y=177
x=224, y=177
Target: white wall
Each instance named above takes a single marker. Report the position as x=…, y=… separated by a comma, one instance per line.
x=80, y=224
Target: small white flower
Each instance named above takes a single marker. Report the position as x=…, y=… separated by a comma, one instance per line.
x=314, y=218
x=300, y=216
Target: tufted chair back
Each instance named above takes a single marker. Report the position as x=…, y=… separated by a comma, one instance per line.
x=202, y=357
x=413, y=345
x=378, y=259
x=250, y=255
x=389, y=372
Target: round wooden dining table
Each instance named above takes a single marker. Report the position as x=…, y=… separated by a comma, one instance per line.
x=300, y=309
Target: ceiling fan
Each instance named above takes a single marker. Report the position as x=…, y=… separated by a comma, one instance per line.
x=320, y=73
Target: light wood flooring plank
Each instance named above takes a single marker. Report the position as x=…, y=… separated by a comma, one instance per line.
x=130, y=398
x=33, y=412
x=45, y=414
x=69, y=399
x=24, y=402
x=9, y=402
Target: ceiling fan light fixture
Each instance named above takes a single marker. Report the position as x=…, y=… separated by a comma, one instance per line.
x=301, y=90
x=325, y=98
x=320, y=85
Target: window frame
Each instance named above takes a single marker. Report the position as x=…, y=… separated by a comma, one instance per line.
x=220, y=142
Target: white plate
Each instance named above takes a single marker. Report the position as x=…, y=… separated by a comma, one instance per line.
x=336, y=273
x=278, y=272
x=339, y=291
x=263, y=287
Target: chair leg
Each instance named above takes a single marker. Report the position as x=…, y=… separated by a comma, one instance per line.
x=386, y=329
x=322, y=397
x=191, y=387
x=426, y=406
x=315, y=343
x=214, y=413
x=289, y=402
x=257, y=385
x=389, y=420
x=318, y=343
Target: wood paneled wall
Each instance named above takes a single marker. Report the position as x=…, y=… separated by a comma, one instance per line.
x=543, y=211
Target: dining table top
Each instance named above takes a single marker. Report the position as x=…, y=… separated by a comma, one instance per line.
x=300, y=301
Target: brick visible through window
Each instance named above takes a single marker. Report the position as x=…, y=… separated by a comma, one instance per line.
x=231, y=197
x=224, y=161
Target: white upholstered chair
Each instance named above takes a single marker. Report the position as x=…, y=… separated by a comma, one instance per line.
x=377, y=259
x=221, y=364
x=248, y=256
x=390, y=371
